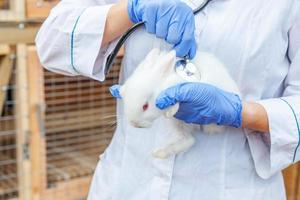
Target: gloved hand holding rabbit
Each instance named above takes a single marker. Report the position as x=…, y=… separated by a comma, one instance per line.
x=203, y=104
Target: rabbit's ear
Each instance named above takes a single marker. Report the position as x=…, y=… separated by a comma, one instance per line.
x=168, y=62
x=153, y=54
x=122, y=91
x=149, y=60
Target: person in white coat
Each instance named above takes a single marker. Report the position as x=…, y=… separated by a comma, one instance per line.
x=259, y=43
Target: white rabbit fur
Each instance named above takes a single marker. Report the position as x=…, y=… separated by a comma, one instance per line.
x=156, y=73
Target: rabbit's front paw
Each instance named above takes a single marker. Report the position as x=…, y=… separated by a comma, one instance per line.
x=211, y=129
x=171, y=111
x=160, y=153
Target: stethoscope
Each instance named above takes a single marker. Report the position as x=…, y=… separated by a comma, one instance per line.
x=181, y=62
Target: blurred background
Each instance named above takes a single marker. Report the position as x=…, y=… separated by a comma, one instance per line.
x=53, y=127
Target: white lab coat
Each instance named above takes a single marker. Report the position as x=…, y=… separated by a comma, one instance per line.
x=258, y=40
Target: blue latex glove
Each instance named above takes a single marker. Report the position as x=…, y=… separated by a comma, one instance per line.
x=171, y=20
x=115, y=91
x=203, y=104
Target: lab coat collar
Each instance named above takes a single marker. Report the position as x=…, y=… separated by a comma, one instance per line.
x=198, y=2
x=195, y=3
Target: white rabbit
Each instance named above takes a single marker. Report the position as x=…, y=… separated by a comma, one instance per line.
x=156, y=73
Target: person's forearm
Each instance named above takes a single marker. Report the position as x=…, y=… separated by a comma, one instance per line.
x=255, y=117
x=117, y=22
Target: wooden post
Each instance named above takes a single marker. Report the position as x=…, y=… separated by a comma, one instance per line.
x=39, y=9
x=15, y=33
x=291, y=177
x=4, y=49
x=5, y=71
x=15, y=13
x=22, y=125
x=19, y=9
x=37, y=128
x=73, y=189
x=297, y=195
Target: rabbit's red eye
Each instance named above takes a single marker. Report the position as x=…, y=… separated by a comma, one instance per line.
x=145, y=106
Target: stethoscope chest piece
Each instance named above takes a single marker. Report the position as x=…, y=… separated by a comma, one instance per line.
x=187, y=70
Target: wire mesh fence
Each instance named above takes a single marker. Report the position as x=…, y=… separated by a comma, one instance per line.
x=77, y=125
x=8, y=155
x=80, y=119
x=4, y=4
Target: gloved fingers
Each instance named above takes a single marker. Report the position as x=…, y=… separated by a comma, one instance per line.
x=169, y=97
x=187, y=42
x=187, y=47
x=176, y=28
x=181, y=93
x=185, y=113
x=132, y=11
x=175, y=32
x=115, y=91
x=173, y=36
x=150, y=18
x=164, y=101
x=183, y=48
x=162, y=25
x=193, y=50
x=189, y=35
